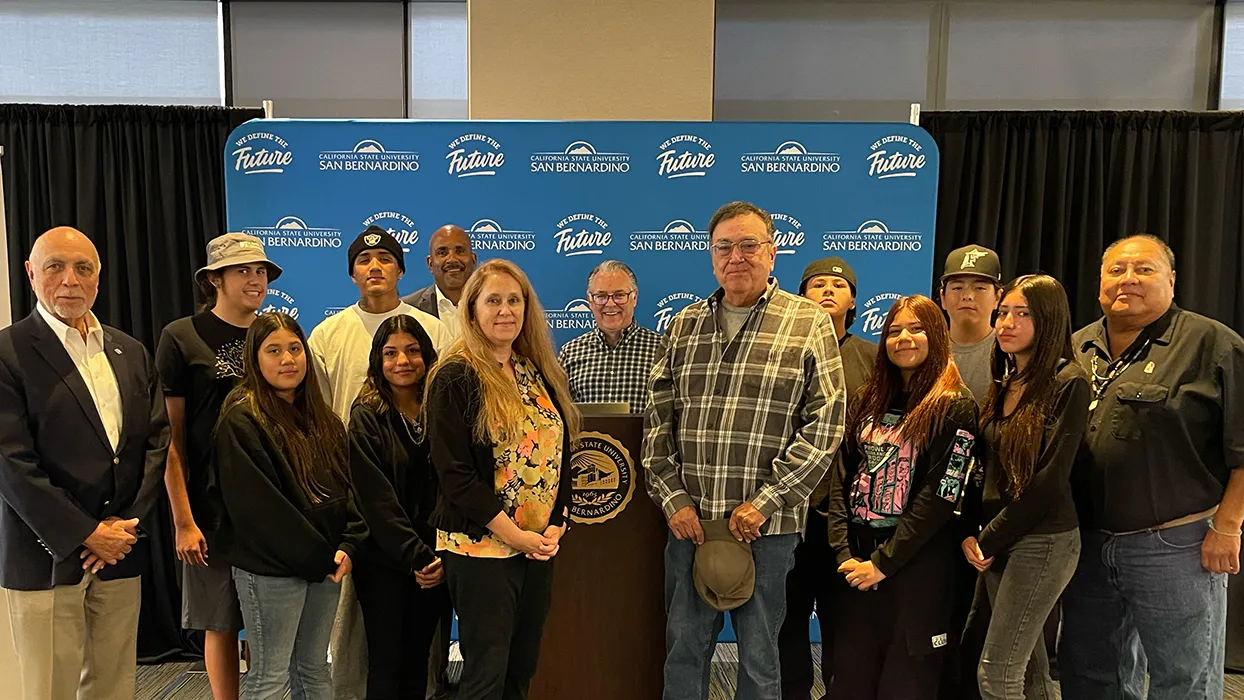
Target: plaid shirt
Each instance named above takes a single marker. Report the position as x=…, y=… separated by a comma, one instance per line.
x=756, y=418
x=600, y=373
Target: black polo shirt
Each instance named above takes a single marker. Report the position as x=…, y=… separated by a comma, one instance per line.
x=1166, y=433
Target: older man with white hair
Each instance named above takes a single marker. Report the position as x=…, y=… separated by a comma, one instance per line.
x=610, y=363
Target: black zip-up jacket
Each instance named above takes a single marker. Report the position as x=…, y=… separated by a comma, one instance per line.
x=466, y=468
x=395, y=488
x=270, y=527
x=918, y=555
x=925, y=515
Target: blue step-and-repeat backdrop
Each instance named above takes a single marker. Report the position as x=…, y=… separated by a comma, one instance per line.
x=559, y=197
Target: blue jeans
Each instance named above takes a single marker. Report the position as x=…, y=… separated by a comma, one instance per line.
x=1143, y=598
x=692, y=627
x=288, y=624
x=1022, y=593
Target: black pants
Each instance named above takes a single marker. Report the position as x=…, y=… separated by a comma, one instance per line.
x=400, y=620
x=969, y=624
x=439, y=687
x=814, y=579
x=872, y=659
x=501, y=604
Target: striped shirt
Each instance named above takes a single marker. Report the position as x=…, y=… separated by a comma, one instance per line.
x=754, y=418
x=604, y=373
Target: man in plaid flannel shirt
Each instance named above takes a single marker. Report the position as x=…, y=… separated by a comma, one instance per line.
x=747, y=407
x=610, y=363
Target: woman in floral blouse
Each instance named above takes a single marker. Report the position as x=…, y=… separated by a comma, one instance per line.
x=500, y=426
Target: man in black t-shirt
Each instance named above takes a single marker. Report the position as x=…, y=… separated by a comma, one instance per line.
x=200, y=359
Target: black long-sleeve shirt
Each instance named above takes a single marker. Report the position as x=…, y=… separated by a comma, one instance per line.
x=932, y=485
x=270, y=526
x=1045, y=506
x=395, y=488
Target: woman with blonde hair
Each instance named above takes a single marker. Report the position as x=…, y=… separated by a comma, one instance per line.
x=500, y=426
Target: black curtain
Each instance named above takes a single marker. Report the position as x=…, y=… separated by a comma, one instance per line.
x=1049, y=190
x=146, y=184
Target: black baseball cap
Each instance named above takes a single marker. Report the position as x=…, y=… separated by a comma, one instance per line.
x=376, y=237
x=974, y=260
x=827, y=266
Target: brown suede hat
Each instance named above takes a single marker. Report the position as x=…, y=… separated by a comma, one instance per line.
x=724, y=571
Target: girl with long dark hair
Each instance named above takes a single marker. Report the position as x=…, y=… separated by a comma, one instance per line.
x=1031, y=428
x=290, y=527
x=398, y=577
x=909, y=445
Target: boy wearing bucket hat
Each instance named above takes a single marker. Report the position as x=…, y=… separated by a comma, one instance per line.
x=199, y=359
x=341, y=344
x=830, y=282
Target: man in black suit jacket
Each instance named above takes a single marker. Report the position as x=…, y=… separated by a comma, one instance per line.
x=83, y=438
x=451, y=262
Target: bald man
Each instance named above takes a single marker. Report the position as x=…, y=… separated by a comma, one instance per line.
x=83, y=438
x=451, y=261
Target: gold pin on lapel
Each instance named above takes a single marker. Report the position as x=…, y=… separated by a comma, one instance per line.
x=1149, y=368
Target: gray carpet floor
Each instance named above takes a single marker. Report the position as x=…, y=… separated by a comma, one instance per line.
x=179, y=681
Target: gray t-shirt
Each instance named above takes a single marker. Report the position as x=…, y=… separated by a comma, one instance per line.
x=731, y=318
x=973, y=361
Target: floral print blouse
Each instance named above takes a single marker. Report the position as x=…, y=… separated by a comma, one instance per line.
x=527, y=472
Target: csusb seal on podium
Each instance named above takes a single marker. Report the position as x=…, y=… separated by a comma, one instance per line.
x=602, y=478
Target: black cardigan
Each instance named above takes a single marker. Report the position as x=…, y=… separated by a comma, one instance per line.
x=270, y=527
x=395, y=489
x=466, y=467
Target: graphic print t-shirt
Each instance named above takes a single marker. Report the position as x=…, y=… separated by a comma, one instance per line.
x=200, y=360
x=881, y=487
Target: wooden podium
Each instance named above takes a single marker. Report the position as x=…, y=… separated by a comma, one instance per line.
x=605, y=634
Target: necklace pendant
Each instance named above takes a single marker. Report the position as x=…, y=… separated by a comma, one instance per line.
x=1093, y=405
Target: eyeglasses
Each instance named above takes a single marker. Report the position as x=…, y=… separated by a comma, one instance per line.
x=619, y=298
x=747, y=247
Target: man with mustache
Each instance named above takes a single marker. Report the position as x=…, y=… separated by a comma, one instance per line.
x=610, y=363
x=1159, y=489
x=83, y=439
x=341, y=345
x=451, y=261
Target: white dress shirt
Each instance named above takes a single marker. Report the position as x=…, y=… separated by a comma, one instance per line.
x=92, y=362
x=448, y=313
